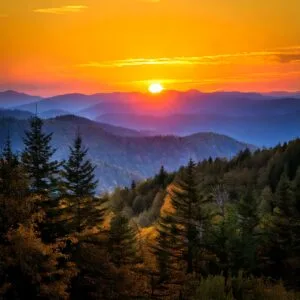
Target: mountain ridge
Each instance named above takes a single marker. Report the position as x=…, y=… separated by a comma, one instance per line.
x=121, y=159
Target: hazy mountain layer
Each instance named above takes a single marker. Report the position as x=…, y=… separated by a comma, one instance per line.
x=266, y=130
x=120, y=159
x=263, y=120
x=10, y=99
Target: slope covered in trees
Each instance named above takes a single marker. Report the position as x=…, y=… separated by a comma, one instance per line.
x=217, y=229
x=223, y=217
x=119, y=156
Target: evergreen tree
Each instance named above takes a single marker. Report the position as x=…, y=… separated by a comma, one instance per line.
x=161, y=177
x=79, y=172
x=37, y=157
x=295, y=223
x=13, y=189
x=283, y=196
x=296, y=191
x=185, y=226
x=166, y=249
x=9, y=174
x=162, y=256
x=224, y=242
x=7, y=153
x=122, y=241
x=279, y=232
x=80, y=184
x=133, y=185
x=248, y=221
x=189, y=217
x=265, y=206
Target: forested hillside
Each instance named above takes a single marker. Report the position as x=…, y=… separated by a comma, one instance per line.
x=120, y=154
x=217, y=229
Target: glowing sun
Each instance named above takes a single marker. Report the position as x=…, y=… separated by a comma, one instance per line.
x=155, y=88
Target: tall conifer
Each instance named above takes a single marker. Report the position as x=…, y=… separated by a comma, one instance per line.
x=80, y=184
x=37, y=157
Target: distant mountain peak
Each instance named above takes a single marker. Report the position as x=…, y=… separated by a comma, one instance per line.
x=13, y=93
x=13, y=99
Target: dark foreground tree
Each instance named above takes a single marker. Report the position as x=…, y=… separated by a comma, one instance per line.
x=80, y=205
x=161, y=177
x=37, y=158
x=32, y=269
x=12, y=180
x=181, y=232
x=79, y=172
x=122, y=241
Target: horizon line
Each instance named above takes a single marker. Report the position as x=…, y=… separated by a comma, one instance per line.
x=147, y=93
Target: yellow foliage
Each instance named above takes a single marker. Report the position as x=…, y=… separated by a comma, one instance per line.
x=148, y=233
x=107, y=220
x=167, y=207
x=38, y=263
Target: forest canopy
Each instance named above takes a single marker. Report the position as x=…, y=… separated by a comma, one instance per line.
x=215, y=229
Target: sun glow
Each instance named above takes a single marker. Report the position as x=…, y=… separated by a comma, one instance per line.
x=155, y=88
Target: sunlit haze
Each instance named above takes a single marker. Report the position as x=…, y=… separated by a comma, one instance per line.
x=155, y=88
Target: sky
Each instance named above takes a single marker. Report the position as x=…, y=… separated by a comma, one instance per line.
x=61, y=46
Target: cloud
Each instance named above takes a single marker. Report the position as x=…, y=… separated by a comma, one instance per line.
x=143, y=61
x=3, y=16
x=149, y=1
x=283, y=55
x=255, y=77
x=61, y=10
x=286, y=58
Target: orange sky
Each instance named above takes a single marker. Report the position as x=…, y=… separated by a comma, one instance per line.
x=60, y=46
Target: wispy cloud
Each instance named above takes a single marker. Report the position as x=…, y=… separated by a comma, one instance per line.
x=286, y=58
x=3, y=16
x=255, y=77
x=149, y=1
x=283, y=55
x=61, y=10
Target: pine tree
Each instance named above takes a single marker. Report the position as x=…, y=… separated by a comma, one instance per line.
x=224, y=240
x=9, y=165
x=80, y=185
x=248, y=221
x=166, y=249
x=122, y=241
x=295, y=223
x=133, y=185
x=7, y=153
x=37, y=157
x=279, y=242
x=13, y=189
x=283, y=196
x=185, y=226
x=265, y=206
x=188, y=216
x=161, y=177
x=79, y=172
x=296, y=190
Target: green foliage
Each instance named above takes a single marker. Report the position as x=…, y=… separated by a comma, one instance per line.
x=221, y=217
x=79, y=172
x=236, y=288
x=266, y=202
x=180, y=234
x=13, y=181
x=122, y=245
x=79, y=206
